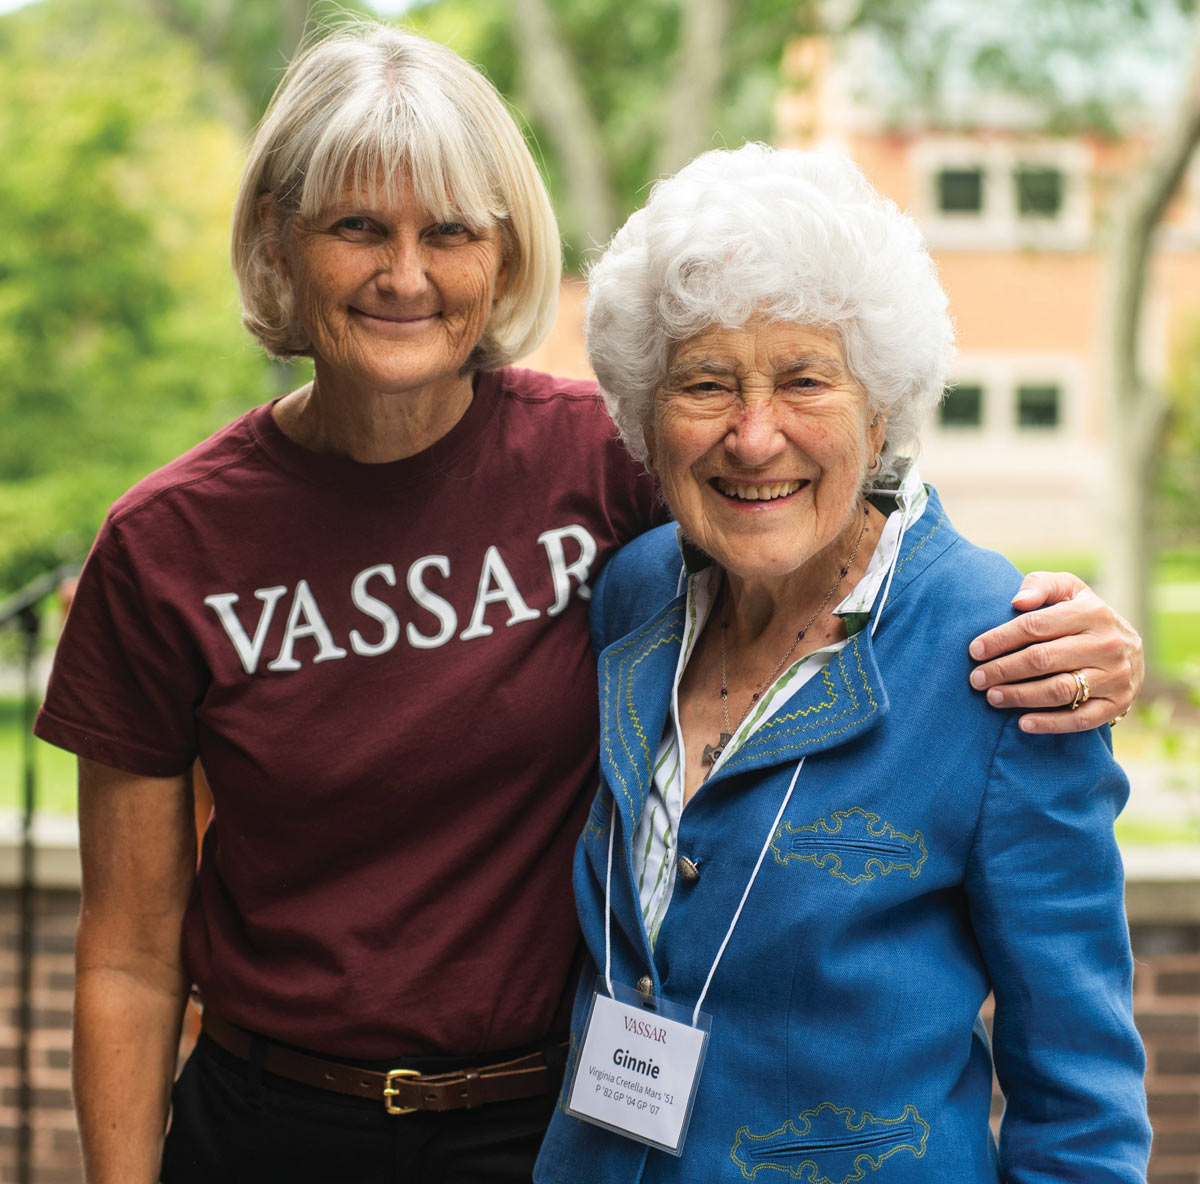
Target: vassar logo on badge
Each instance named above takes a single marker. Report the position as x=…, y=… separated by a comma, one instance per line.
x=639, y=1067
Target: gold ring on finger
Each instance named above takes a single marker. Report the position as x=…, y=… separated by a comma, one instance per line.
x=1082, y=691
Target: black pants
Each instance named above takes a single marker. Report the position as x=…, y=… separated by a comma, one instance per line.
x=234, y=1124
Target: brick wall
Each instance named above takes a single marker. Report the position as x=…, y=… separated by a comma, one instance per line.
x=1166, y=997
x=1166, y=989
x=55, y=1151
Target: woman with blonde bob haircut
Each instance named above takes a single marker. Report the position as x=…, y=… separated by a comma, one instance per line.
x=361, y=608
x=384, y=109
x=356, y=607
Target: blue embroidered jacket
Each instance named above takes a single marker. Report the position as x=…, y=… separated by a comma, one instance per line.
x=932, y=852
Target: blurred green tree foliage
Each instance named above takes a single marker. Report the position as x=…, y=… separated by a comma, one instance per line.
x=120, y=344
x=248, y=41
x=1079, y=65
x=617, y=93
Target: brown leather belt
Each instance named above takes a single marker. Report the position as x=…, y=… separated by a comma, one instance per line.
x=402, y=1091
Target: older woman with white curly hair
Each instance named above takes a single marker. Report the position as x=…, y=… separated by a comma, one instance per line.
x=688, y=262
x=815, y=851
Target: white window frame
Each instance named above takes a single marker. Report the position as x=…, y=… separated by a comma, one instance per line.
x=999, y=375
x=998, y=225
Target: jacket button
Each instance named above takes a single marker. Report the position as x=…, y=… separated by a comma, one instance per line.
x=688, y=870
x=646, y=987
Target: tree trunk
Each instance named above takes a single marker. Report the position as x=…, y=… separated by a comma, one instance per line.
x=697, y=80
x=1137, y=411
x=295, y=22
x=550, y=88
x=219, y=27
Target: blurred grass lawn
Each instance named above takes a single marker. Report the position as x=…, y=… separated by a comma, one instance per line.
x=1177, y=644
x=1176, y=599
x=1145, y=735
x=55, y=768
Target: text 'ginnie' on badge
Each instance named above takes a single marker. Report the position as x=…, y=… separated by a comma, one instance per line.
x=638, y=1069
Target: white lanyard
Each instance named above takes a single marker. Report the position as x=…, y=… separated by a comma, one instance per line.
x=638, y=1070
x=612, y=826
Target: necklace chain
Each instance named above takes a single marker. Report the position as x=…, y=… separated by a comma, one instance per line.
x=712, y=752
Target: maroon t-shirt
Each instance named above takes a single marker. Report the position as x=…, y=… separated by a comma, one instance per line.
x=386, y=674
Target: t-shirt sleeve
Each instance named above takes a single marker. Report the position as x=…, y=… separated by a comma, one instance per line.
x=651, y=507
x=126, y=678
x=635, y=497
x=651, y=503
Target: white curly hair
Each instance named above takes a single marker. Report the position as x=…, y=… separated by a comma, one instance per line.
x=798, y=236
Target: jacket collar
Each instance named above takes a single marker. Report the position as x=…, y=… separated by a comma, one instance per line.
x=636, y=675
x=843, y=702
x=926, y=539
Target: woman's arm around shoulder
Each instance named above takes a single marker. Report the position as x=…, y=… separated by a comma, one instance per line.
x=1045, y=892
x=138, y=851
x=1063, y=627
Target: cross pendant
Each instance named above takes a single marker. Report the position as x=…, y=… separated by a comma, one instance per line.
x=712, y=752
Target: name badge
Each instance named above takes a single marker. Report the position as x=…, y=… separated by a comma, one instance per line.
x=639, y=1067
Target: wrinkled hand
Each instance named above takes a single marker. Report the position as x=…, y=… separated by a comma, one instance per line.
x=1063, y=626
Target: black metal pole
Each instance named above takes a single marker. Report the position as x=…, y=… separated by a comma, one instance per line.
x=24, y=608
x=30, y=624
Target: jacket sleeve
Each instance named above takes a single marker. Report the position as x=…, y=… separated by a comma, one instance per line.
x=1046, y=894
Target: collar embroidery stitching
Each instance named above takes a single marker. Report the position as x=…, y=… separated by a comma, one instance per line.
x=785, y=739
x=663, y=630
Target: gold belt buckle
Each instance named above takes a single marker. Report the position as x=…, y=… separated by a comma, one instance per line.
x=390, y=1092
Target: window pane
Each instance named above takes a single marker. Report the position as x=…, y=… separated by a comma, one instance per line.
x=1039, y=191
x=960, y=191
x=1038, y=406
x=962, y=407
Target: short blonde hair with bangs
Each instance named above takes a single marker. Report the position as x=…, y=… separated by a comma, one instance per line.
x=380, y=107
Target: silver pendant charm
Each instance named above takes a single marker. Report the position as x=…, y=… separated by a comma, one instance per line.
x=712, y=752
